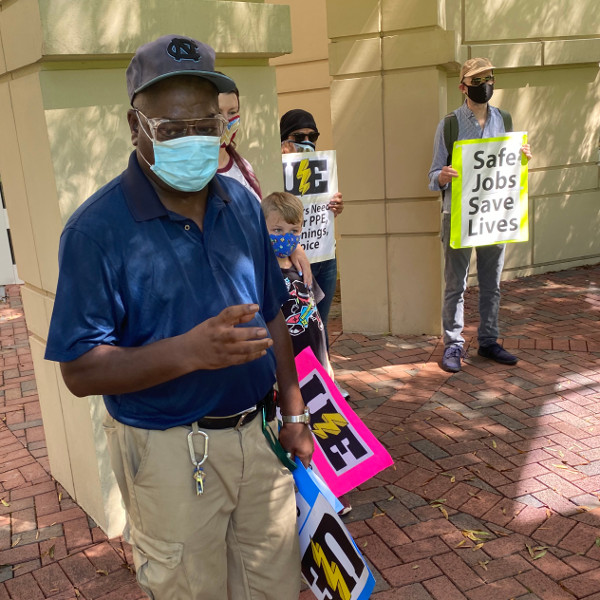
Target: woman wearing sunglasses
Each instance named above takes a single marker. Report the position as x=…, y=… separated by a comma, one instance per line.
x=299, y=133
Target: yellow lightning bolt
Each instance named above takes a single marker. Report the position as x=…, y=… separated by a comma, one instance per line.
x=334, y=577
x=331, y=425
x=303, y=174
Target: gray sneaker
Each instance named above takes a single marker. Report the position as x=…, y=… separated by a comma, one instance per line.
x=451, y=358
x=345, y=393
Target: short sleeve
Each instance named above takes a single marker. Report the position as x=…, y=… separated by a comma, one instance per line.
x=88, y=309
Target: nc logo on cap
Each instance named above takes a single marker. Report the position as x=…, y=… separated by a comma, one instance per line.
x=183, y=49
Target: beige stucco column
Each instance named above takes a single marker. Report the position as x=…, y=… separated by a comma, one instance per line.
x=63, y=106
x=387, y=96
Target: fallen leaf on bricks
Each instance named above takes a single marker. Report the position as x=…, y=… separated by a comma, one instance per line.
x=437, y=503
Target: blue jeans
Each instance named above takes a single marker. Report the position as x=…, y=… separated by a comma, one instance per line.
x=490, y=260
x=325, y=274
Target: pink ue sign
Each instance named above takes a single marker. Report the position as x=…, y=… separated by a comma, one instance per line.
x=346, y=452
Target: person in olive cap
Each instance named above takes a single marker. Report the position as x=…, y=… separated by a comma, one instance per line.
x=476, y=119
x=168, y=305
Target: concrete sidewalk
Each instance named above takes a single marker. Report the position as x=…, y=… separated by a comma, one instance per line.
x=494, y=494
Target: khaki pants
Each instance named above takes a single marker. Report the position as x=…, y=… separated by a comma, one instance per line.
x=237, y=540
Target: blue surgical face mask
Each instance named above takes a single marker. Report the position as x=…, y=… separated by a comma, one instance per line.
x=284, y=245
x=187, y=163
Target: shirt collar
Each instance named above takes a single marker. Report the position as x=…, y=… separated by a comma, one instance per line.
x=471, y=115
x=143, y=201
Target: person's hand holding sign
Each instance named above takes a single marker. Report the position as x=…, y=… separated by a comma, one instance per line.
x=446, y=175
x=526, y=150
x=336, y=204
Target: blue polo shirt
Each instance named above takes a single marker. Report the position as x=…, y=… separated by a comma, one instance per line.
x=133, y=272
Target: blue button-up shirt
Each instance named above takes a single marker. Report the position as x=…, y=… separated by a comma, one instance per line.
x=133, y=272
x=468, y=129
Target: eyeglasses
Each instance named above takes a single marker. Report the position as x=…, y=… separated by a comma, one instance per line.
x=168, y=129
x=477, y=81
x=298, y=137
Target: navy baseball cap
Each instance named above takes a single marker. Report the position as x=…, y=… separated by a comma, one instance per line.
x=172, y=55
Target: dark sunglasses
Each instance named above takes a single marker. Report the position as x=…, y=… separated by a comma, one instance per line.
x=313, y=136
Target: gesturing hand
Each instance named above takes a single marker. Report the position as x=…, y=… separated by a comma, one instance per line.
x=218, y=343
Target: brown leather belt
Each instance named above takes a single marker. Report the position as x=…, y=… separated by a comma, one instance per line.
x=237, y=420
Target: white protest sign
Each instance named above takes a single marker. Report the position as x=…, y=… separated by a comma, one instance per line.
x=312, y=176
x=331, y=563
x=490, y=194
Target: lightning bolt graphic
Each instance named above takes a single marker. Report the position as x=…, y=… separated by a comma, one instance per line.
x=304, y=175
x=331, y=425
x=334, y=577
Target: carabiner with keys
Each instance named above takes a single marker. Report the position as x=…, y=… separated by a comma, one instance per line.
x=199, y=473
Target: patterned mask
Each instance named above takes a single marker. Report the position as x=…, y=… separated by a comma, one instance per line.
x=232, y=128
x=284, y=245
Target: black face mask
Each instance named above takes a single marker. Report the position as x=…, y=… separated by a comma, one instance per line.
x=480, y=93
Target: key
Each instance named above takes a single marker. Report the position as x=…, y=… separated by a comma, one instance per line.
x=199, y=473
x=199, y=476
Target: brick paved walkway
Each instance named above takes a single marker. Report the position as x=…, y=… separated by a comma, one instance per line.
x=494, y=494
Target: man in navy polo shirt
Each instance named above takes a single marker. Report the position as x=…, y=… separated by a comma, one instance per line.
x=168, y=304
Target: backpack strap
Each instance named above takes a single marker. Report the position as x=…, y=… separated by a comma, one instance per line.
x=451, y=130
x=508, y=124
x=450, y=134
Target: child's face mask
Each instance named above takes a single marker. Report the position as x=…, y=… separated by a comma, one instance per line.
x=285, y=244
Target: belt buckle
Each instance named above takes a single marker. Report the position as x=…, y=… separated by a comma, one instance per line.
x=243, y=417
